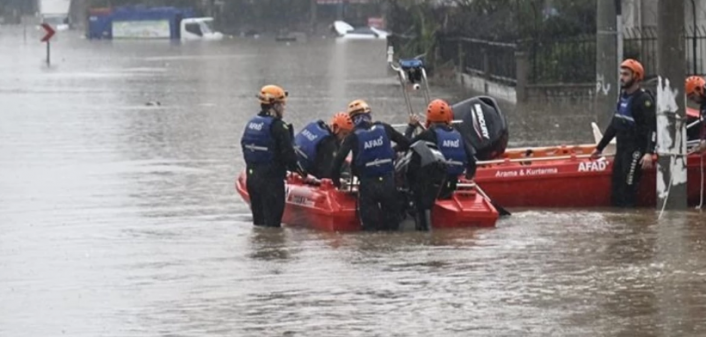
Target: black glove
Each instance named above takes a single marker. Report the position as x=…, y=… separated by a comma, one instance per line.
x=291, y=130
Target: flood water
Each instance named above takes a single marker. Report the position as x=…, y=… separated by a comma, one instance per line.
x=120, y=219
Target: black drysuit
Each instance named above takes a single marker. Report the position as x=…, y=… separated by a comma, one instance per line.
x=325, y=152
x=634, y=124
x=265, y=181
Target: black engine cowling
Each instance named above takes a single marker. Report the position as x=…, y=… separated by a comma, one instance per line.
x=483, y=126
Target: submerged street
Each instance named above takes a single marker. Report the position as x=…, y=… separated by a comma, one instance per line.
x=118, y=215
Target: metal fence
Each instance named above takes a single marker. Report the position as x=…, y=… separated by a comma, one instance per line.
x=573, y=60
x=494, y=60
x=561, y=60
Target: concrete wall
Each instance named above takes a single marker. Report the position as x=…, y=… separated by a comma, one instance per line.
x=487, y=87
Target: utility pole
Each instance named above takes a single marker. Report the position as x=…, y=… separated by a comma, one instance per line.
x=619, y=29
x=607, y=85
x=313, y=17
x=671, y=101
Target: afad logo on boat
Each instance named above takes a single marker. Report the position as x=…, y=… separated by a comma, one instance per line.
x=593, y=166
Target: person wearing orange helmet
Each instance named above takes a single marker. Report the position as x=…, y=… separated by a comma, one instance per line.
x=373, y=164
x=269, y=154
x=317, y=144
x=695, y=92
x=458, y=155
x=634, y=125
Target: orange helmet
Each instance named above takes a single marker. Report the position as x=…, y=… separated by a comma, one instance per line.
x=636, y=68
x=439, y=111
x=357, y=107
x=271, y=94
x=694, y=85
x=341, y=121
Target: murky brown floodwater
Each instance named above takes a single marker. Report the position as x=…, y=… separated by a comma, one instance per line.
x=118, y=219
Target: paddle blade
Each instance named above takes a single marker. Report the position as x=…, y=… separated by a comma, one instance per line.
x=501, y=210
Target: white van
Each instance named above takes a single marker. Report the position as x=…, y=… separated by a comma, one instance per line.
x=199, y=29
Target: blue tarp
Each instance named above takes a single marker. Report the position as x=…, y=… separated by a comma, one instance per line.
x=101, y=24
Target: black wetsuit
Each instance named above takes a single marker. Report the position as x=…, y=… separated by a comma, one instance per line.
x=373, y=164
x=634, y=124
x=269, y=152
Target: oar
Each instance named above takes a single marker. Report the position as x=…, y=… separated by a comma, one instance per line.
x=501, y=210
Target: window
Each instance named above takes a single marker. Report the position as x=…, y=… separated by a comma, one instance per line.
x=193, y=28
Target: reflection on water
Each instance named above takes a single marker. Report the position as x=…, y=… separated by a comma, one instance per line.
x=268, y=244
x=119, y=218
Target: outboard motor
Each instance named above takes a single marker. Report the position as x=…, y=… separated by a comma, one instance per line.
x=483, y=125
x=423, y=171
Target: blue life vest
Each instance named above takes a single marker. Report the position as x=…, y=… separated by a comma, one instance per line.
x=257, y=143
x=623, y=118
x=375, y=155
x=307, y=140
x=451, y=145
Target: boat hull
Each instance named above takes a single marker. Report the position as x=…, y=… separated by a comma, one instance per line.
x=568, y=183
x=323, y=207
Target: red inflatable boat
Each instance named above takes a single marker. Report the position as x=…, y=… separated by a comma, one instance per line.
x=321, y=206
x=564, y=176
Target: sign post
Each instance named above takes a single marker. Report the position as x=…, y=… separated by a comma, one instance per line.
x=49, y=33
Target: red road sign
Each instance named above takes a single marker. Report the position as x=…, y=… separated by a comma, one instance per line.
x=50, y=32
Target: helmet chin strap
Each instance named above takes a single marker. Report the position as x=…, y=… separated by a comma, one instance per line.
x=361, y=118
x=274, y=111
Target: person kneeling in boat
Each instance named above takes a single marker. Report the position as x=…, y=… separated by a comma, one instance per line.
x=317, y=144
x=459, y=157
x=269, y=152
x=373, y=164
x=695, y=92
x=634, y=125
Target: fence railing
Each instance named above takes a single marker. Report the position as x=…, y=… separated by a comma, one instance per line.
x=573, y=60
x=493, y=60
x=561, y=60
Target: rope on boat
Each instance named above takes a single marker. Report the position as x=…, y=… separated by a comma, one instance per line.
x=701, y=200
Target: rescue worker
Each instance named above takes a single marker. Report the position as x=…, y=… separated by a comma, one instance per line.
x=694, y=88
x=373, y=164
x=317, y=144
x=269, y=153
x=634, y=124
x=458, y=154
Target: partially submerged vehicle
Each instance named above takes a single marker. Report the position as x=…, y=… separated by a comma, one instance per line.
x=55, y=13
x=199, y=29
x=141, y=22
x=348, y=32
